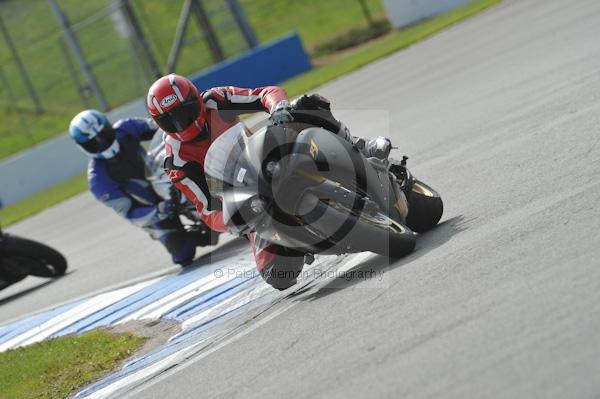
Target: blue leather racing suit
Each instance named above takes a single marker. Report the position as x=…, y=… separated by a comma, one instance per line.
x=120, y=183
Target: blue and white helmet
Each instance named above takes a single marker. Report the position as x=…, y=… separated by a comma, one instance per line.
x=94, y=134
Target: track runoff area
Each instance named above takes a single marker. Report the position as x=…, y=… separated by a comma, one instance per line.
x=500, y=114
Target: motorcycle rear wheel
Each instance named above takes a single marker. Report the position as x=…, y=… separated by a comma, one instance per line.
x=35, y=258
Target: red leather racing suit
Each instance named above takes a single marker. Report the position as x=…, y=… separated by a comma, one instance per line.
x=185, y=162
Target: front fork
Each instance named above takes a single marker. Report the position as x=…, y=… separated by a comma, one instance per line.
x=402, y=175
x=402, y=181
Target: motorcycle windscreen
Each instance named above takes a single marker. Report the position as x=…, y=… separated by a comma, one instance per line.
x=227, y=163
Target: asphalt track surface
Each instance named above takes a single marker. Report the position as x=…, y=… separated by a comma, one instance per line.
x=501, y=114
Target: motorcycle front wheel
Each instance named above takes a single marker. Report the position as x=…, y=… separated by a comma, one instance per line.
x=34, y=258
x=362, y=231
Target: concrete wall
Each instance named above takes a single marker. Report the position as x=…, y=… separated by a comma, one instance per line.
x=58, y=159
x=50, y=162
x=405, y=12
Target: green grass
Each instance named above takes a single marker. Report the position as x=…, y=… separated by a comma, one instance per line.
x=353, y=38
x=317, y=21
x=23, y=128
x=122, y=78
x=57, y=368
x=42, y=200
x=341, y=65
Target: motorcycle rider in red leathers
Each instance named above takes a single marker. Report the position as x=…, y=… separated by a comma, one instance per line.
x=193, y=120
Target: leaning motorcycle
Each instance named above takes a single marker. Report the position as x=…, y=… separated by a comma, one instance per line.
x=303, y=187
x=20, y=257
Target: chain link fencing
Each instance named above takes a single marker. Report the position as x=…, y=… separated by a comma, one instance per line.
x=42, y=82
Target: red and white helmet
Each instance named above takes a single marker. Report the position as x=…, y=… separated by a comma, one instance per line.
x=176, y=106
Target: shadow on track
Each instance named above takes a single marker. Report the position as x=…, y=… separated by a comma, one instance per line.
x=381, y=264
x=223, y=251
x=25, y=292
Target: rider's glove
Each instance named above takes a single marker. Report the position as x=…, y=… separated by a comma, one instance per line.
x=281, y=113
x=166, y=208
x=378, y=148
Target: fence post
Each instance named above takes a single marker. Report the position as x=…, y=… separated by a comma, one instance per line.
x=81, y=88
x=366, y=12
x=140, y=38
x=21, y=68
x=204, y=22
x=242, y=21
x=76, y=49
x=11, y=96
x=179, y=37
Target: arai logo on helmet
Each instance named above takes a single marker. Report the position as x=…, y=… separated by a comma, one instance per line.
x=168, y=100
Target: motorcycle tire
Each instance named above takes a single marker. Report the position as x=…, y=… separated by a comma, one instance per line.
x=39, y=259
x=7, y=279
x=425, y=207
x=375, y=232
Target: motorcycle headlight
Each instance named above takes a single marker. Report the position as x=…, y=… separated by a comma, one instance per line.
x=271, y=168
x=257, y=205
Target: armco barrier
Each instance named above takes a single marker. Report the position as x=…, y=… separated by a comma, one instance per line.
x=406, y=12
x=58, y=159
x=265, y=65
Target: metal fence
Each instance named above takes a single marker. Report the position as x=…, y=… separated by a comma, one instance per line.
x=62, y=54
x=58, y=56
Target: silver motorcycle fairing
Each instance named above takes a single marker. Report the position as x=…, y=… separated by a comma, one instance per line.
x=236, y=164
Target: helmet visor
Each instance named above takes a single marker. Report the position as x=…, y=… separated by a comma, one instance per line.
x=99, y=142
x=179, y=117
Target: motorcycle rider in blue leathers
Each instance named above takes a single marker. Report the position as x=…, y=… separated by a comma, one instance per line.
x=117, y=178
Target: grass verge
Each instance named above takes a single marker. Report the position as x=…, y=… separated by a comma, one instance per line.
x=352, y=38
x=58, y=367
x=332, y=67
x=42, y=200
